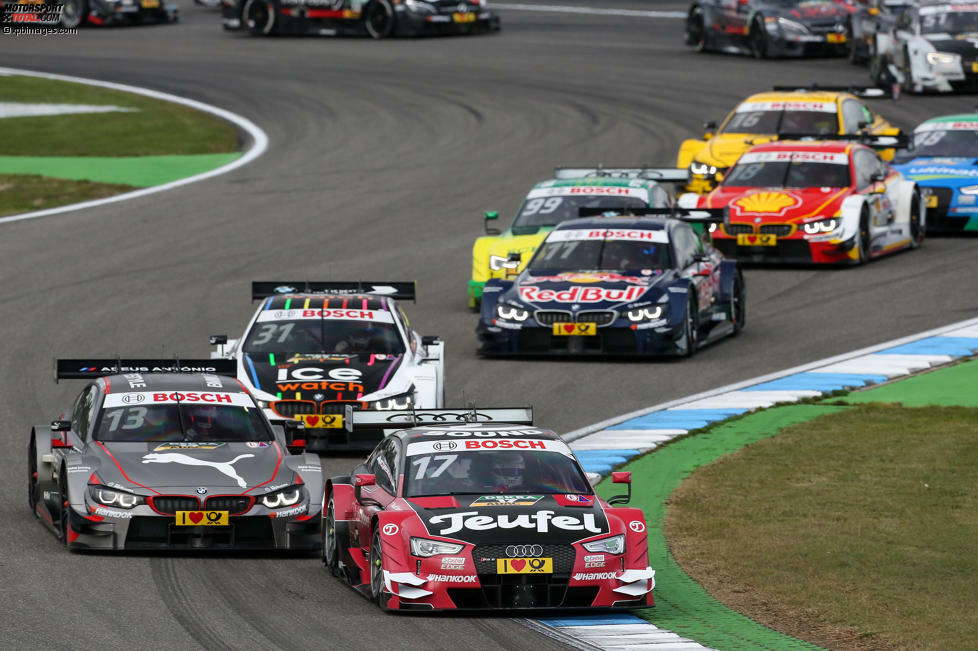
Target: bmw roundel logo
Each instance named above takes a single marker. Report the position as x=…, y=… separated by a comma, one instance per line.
x=133, y=397
x=202, y=491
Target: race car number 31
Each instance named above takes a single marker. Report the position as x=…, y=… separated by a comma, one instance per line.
x=525, y=565
x=202, y=518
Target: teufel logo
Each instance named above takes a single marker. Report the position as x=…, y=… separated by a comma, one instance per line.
x=223, y=467
x=541, y=521
x=389, y=529
x=578, y=294
x=637, y=526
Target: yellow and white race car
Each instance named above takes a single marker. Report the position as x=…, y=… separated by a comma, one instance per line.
x=572, y=193
x=785, y=112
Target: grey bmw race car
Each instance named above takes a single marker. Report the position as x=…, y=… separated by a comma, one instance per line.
x=158, y=454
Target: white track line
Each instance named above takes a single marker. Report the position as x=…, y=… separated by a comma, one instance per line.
x=590, y=11
x=259, y=142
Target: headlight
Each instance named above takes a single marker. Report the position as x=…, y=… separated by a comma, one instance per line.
x=612, y=545
x=713, y=227
x=262, y=404
x=118, y=499
x=823, y=226
x=646, y=313
x=403, y=401
x=791, y=27
x=425, y=548
x=941, y=58
x=969, y=189
x=285, y=497
x=702, y=169
x=512, y=313
x=498, y=263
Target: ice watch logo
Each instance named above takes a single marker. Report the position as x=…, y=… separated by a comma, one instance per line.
x=542, y=521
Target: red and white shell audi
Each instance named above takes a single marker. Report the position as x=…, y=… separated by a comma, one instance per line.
x=480, y=510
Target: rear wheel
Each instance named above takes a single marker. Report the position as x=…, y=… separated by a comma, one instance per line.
x=377, y=570
x=63, y=504
x=74, y=13
x=738, y=305
x=379, y=19
x=691, y=327
x=260, y=17
x=758, y=39
x=917, y=229
x=696, y=29
x=33, y=483
x=865, y=242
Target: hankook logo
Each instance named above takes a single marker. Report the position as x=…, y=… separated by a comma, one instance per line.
x=524, y=551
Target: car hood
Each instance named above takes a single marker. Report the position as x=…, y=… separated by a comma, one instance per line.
x=723, y=150
x=760, y=205
x=481, y=519
x=314, y=377
x=179, y=467
x=586, y=290
x=926, y=168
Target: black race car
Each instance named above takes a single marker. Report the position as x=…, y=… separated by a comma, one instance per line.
x=117, y=12
x=870, y=17
x=615, y=286
x=158, y=454
x=376, y=18
x=768, y=28
x=478, y=509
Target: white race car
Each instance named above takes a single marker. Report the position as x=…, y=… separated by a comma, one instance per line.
x=933, y=47
x=312, y=348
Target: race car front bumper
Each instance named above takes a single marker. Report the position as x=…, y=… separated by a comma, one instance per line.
x=791, y=250
x=653, y=339
x=949, y=211
x=416, y=22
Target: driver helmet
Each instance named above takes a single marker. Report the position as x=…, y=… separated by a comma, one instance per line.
x=506, y=469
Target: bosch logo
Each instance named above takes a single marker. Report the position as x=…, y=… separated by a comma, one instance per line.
x=130, y=398
x=444, y=445
x=202, y=491
x=389, y=529
x=524, y=551
x=637, y=526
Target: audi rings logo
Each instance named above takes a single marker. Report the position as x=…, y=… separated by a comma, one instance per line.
x=524, y=551
x=445, y=445
x=389, y=529
x=133, y=397
x=637, y=526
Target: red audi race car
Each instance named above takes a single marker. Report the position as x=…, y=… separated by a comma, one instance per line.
x=478, y=509
x=826, y=202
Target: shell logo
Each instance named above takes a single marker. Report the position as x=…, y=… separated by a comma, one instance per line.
x=766, y=203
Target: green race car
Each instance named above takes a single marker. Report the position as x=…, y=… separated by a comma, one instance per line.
x=572, y=193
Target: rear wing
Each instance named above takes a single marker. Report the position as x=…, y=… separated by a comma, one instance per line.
x=899, y=141
x=82, y=369
x=402, y=291
x=355, y=419
x=691, y=215
x=865, y=92
x=660, y=174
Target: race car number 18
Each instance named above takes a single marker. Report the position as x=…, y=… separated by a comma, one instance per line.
x=202, y=518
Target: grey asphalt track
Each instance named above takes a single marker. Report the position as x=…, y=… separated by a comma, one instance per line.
x=383, y=156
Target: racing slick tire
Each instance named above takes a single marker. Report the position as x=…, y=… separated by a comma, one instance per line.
x=260, y=17
x=333, y=545
x=33, y=481
x=696, y=35
x=758, y=39
x=379, y=18
x=74, y=13
x=863, y=240
x=907, y=86
x=377, y=570
x=917, y=230
x=738, y=305
x=691, y=327
x=63, y=506
x=878, y=70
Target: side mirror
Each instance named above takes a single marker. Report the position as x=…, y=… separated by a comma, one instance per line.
x=218, y=340
x=359, y=481
x=428, y=340
x=295, y=434
x=60, y=425
x=491, y=215
x=862, y=124
x=710, y=128
x=60, y=428
x=719, y=177
x=623, y=477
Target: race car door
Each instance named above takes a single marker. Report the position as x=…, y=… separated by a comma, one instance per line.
x=694, y=264
x=382, y=464
x=873, y=179
x=733, y=19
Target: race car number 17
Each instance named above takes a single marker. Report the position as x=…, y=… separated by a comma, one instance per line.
x=202, y=518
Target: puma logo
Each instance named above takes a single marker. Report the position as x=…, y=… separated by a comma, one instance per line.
x=223, y=467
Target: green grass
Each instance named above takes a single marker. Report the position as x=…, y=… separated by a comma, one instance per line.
x=157, y=127
x=854, y=530
x=23, y=193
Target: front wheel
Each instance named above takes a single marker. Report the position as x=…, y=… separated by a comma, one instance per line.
x=917, y=229
x=74, y=13
x=331, y=556
x=691, y=327
x=260, y=17
x=738, y=305
x=63, y=505
x=758, y=39
x=696, y=30
x=33, y=483
x=864, y=242
x=377, y=570
x=379, y=18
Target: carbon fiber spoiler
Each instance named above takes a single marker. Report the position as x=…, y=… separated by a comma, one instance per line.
x=660, y=174
x=402, y=291
x=691, y=215
x=83, y=369
x=355, y=419
x=865, y=92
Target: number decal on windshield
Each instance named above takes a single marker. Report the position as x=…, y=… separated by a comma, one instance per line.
x=424, y=462
x=268, y=332
x=542, y=206
x=135, y=418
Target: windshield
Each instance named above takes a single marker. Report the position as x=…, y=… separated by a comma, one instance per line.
x=538, y=211
x=788, y=174
x=557, y=255
x=960, y=143
x=324, y=336
x=949, y=22
x=182, y=422
x=498, y=472
x=774, y=118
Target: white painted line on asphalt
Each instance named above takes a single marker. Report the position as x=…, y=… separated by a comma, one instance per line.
x=259, y=142
x=36, y=109
x=590, y=11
